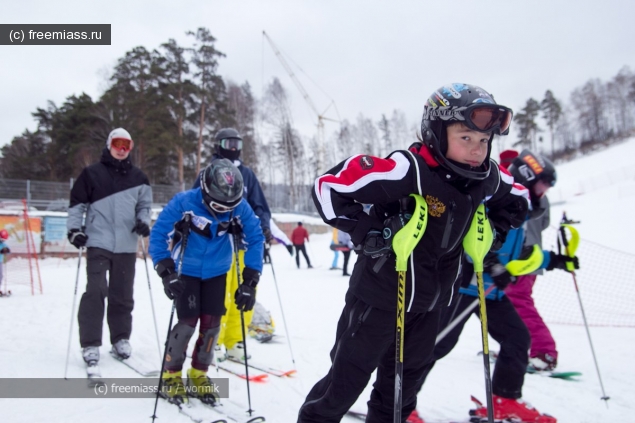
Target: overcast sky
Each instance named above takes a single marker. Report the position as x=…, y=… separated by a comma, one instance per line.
x=370, y=56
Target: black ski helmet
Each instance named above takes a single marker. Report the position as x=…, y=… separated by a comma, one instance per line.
x=529, y=168
x=227, y=134
x=222, y=186
x=470, y=105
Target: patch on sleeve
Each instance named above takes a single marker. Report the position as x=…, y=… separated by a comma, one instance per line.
x=366, y=162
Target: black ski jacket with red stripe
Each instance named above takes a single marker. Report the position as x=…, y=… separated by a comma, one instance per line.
x=434, y=266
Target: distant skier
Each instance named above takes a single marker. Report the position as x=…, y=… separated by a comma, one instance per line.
x=344, y=239
x=504, y=323
x=298, y=236
x=216, y=208
x=4, y=250
x=452, y=170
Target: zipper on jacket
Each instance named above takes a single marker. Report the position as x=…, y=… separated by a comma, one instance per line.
x=361, y=319
x=448, y=226
x=444, y=242
x=438, y=288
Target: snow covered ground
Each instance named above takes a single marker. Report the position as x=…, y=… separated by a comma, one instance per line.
x=34, y=329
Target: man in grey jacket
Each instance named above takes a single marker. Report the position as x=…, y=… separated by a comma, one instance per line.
x=109, y=209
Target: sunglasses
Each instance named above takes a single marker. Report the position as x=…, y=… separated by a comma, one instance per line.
x=121, y=144
x=231, y=143
x=488, y=118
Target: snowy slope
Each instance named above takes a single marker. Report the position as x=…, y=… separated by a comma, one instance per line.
x=34, y=330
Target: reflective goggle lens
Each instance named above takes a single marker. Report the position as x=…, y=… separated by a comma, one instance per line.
x=231, y=144
x=219, y=208
x=491, y=118
x=121, y=144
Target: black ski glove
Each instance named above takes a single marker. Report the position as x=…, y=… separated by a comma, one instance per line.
x=290, y=249
x=173, y=285
x=559, y=261
x=141, y=228
x=500, y=275
x=5, y=250
x=268, y=235
x=77, y=237
x=378, y=244
x=245, y=295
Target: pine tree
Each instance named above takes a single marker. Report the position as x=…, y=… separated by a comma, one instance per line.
x=211, y=94
x=551, y=112
x=526, y=124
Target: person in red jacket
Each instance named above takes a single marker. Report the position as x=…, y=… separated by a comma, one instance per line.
x=298, y=236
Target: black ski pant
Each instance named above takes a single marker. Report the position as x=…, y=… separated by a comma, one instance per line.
x=347, y=255
x=365, y=341
x=507, y=328
x=298, y=248
x=111, y=276
x=202, y=300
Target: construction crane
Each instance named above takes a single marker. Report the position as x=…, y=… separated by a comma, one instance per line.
x=321, y=162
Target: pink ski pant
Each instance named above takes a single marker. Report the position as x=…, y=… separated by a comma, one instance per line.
x=520, y=295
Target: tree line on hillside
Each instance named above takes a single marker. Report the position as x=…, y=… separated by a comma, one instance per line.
x=173, y=100
x=597, y=113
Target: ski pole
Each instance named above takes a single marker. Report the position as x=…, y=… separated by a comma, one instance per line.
x=236, y=234
x=154, y=315
x=70, y=332
x=403, y=243
x=476, y=244
x=461, y=316
x=284, y=320
x=570, y=247
x=186, y=234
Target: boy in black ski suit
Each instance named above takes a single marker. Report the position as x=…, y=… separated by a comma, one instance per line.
x=453, y=172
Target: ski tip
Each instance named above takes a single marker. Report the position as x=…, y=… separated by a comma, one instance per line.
x=475, y=400
x=290, y=373
x=256, y=378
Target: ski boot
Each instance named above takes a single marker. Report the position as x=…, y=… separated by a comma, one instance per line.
x=122, y=349
x=91, y=355
x=414, y=418
x=237, y=352
x=509, y=409
x=200, y=386
x=173, y=388
x=541, y=363
x=220, y=353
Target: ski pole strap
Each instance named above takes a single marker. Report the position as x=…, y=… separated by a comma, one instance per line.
x=405, y=241
x=479, y=238
x=527, y=265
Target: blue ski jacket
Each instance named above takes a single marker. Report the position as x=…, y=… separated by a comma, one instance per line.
x=209, y=247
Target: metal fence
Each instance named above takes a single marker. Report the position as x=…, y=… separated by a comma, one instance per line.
x=55, y=196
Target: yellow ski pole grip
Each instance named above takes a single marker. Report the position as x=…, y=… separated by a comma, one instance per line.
x=571, y=245
x=479, y=238
x=405, y=241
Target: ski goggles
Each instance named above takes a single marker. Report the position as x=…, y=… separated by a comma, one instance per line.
x=231, y=143
x=219, y=208
x=490, y=118
x=121, y=144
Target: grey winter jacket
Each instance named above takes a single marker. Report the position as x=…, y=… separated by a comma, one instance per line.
x=113, y=194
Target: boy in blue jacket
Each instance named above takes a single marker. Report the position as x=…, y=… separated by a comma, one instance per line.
x=217, y=212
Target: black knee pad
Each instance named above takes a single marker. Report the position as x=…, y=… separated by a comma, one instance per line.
x=177, y=345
